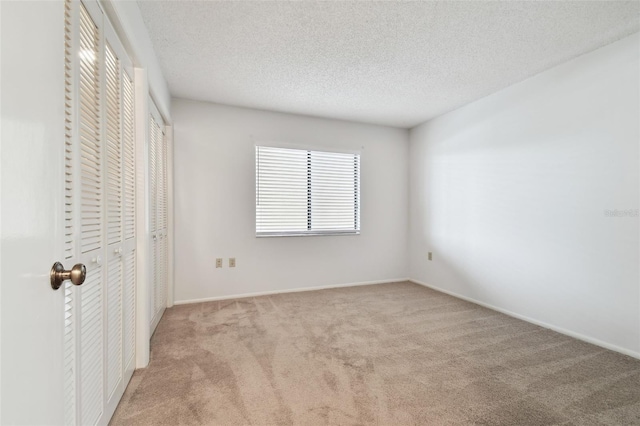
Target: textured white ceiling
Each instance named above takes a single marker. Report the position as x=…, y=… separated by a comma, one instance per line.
x=393, y=63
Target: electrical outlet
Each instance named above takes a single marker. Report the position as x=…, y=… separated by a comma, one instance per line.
x=430, y=256
x=219, y=262
x=232, y=262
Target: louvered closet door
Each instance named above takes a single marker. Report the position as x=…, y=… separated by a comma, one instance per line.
x=91, y=209
x=153, y=221
x=162, y=221
x=114, y=222
x=158, y=215
x=99, y=216
x=121, y=244
x=129, y=224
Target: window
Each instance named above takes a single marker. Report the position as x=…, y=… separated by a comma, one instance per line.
x=304, y=192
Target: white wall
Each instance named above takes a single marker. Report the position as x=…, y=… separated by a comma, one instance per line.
x=215, y=204
x=510, y=194
x=127, y=20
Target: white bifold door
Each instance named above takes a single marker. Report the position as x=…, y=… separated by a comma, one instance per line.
x=158, y=211
x=100, y=227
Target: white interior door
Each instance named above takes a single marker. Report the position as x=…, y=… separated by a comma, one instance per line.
x=32, y=194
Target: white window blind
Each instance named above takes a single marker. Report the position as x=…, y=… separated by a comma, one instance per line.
x=305, y=192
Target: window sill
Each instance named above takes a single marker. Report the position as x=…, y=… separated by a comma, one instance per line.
x=305, y=234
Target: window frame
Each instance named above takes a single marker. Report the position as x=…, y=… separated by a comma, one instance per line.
x=310, y=232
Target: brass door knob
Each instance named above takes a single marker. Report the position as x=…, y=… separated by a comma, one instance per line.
x=58, y=275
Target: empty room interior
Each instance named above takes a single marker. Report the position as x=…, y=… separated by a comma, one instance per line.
x=320, y=213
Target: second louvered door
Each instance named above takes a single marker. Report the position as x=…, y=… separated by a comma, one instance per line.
x=158, y=215
x=114, y=198
x=120, y=220
x=99, y=216
x=89, y=309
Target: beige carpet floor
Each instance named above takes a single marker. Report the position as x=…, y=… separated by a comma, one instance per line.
x=390, y=354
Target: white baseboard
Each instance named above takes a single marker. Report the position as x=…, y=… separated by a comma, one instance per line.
x=293, y=290
x=560, y=330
